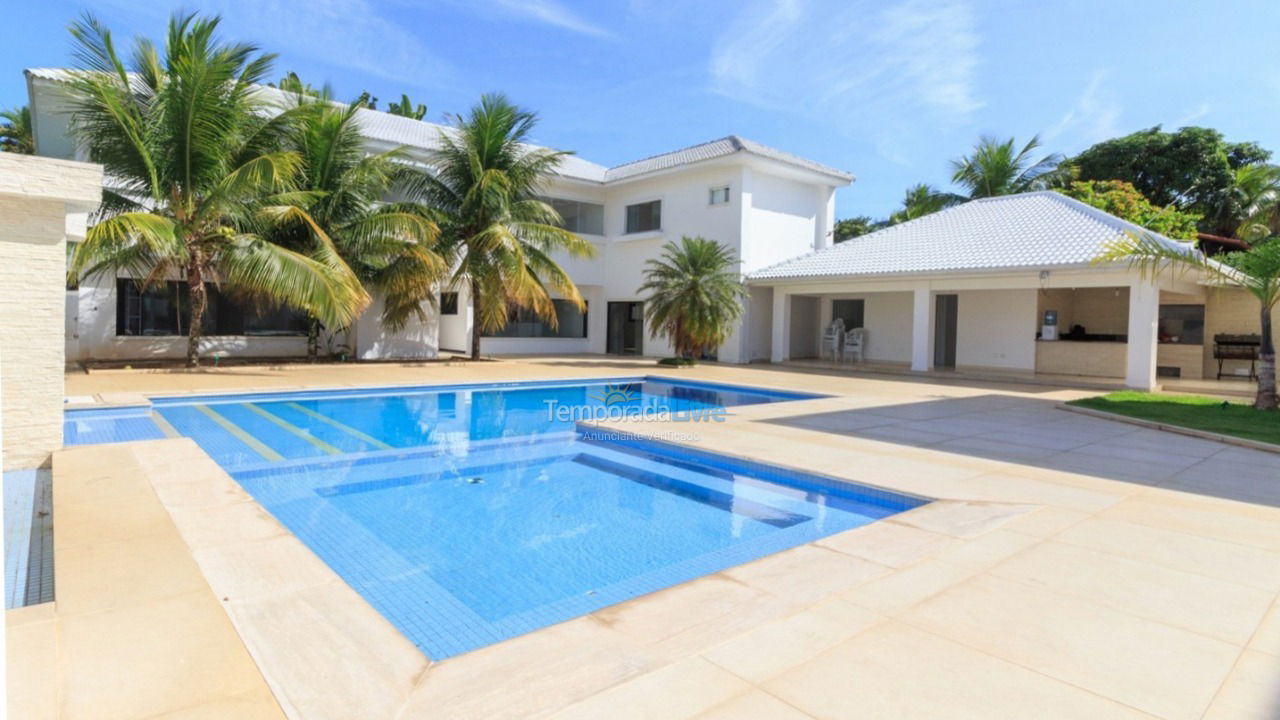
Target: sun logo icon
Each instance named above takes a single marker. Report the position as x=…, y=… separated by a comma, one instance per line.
x=615, y=395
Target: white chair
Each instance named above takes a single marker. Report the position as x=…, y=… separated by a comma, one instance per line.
x=832, y=337
x=854, y=340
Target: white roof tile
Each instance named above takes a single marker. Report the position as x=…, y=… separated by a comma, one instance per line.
x=397, y=130
x=1031, y=230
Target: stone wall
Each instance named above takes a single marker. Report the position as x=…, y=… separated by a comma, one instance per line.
x=42, y=202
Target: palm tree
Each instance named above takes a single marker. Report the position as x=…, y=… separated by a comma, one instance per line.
x=1256, y=270
x=694, y=294
x=390, y=247
x=496, y=232
x=15, y=131
x=1254, y=201
x=192, y=153
x=921, y=200
x=999, y=168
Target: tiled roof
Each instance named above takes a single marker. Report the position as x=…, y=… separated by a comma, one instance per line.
x=397, y=130
x=1031, y=230
x=715, y=149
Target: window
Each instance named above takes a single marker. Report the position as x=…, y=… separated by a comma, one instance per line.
x=449, y=303
x=719, y=196
x=851, y=311
x=643, y=217
x=522, y=323
x=581, y=217
x=161, y=310
x=1182, y=324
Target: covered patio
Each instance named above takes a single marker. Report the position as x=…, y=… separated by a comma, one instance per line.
x=1006, y=287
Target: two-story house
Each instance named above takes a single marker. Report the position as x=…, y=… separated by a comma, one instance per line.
x=765, y=204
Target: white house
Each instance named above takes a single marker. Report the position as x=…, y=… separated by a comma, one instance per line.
x=765, y=204
x=969, y=288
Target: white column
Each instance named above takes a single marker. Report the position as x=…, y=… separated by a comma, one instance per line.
x=1144, y=318
x=921, y=356
x=781, y=345
x=825, y=218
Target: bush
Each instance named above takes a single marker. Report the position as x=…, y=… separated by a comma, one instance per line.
x=678, y=362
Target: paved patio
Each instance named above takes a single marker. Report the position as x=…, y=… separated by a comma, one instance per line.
x=1073, y=567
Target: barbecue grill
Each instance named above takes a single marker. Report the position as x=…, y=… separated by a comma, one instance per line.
x=1237, y=347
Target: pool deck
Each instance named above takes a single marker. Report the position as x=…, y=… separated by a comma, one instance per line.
x=1073, y=567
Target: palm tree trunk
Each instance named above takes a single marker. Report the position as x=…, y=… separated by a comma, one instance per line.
x=313, y=339
x=1266, y=399
x=475, y=322
x=199, y=301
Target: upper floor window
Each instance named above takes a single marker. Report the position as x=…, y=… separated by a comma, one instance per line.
x=581, y=217
x=643, y=217
x=719, y=196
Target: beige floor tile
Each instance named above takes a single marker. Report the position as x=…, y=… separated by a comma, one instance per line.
x=889, y=543
x=322, y=648
x=81, y=523
x=1251, y=692
x=680, y=690
x=754, y=705
x=780, y=645
x=200, y=491
x=31, y=643
x=1226, y=611
x=962, y=519
x=1154, y=667
x=531, y=675
x=151, y=658
x=904, y=588
x=124, y=573
x=987, y=550
x=246, y=571
x=1046, y=522
x=226, y=524
x=1219, y=559
x=712, y=601
x=1267, y=637
x=807, y=573
x=1011, y=486
x=898, y=673
x=1233, y=522
x=259, y=705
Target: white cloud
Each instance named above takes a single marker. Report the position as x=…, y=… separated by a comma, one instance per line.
x=1093, y=118
x=551, y=13
x=861, y=65
x=1200, y=111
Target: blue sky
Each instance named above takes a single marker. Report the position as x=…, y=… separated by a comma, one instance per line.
x=889, y=90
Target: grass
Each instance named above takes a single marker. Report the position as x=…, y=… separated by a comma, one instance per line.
x=1191, y=411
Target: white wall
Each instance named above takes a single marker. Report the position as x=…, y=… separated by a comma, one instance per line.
x=784, y=216
x=416, y=341
x=996, y=329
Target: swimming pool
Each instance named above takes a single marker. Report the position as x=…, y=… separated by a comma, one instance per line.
x=471, y=514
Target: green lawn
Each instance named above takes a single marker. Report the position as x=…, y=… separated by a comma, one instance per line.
x=1191, y=411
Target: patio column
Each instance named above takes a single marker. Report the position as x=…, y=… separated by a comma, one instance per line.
x=1144, y=319
x=920, y=357
x=780, y=347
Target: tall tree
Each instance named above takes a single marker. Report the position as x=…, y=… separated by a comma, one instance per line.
x=853, y=227
x=1000, y=168
x=693, y=293
x=497, y=233
x=16, y=135
x=1193, y=168
x=1124, y=201
x=406, y=108
x=1256, y=270
x=921, y=200
x=198, y=176
x=391, y=246
x=1252, y=208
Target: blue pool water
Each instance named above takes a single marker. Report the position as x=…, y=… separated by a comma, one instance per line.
x=472, y=514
